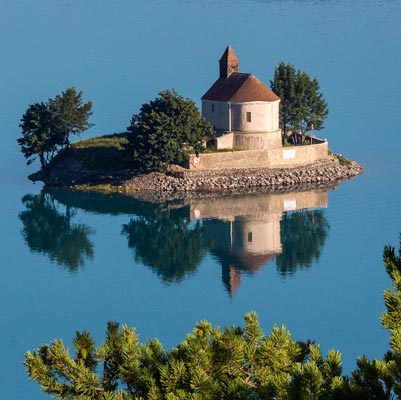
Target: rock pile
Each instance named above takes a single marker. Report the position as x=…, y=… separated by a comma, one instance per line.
x=323, y=173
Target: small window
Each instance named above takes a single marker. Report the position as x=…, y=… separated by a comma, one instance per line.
x=249, y=237
x=248, y=116
x=212, y=108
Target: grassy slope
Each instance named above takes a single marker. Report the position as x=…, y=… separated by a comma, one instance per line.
x=104, y=152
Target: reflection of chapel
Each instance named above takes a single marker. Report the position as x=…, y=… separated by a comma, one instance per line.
x=244, y=244
x=244, y=112
x=244, y=232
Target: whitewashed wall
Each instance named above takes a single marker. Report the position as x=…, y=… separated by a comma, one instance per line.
x=264, y=116
x=219, y=117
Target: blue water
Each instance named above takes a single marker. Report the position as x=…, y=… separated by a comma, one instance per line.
x=121, y=54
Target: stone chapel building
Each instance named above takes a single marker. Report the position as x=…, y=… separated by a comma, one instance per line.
x=244, y=112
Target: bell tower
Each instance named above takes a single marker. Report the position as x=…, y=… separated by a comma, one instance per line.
x=228, y=63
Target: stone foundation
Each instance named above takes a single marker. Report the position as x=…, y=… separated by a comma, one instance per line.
x=273, y=158
x=325, y=173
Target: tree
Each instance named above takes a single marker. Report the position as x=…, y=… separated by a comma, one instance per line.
x=214, y=363
x=284, y=86
x=302, y=106
x=381, y=379
x=70, y=114
x=38, y=138
x=165, y=129
x=211, y=363
x=46, y=127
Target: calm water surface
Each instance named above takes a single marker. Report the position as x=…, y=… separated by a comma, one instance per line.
x=313, y=261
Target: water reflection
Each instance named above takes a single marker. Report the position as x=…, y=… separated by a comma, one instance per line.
x=245, y=233
x=242, y=233
x=167, y=242
x=304, y=234
x=49, y=230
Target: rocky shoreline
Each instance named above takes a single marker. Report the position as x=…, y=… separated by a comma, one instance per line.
x=325, y=173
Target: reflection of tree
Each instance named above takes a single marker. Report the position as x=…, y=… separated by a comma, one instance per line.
x=167, y=242
x=46, y=230
x=303, y=235
x=160, y=234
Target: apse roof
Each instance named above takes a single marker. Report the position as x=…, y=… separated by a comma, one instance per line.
x=240, y=87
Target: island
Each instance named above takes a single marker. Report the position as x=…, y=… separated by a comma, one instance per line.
x=247, y=137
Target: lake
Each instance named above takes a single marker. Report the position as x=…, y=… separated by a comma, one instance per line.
x=309, y=260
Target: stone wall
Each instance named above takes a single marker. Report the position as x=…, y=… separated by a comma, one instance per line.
x=260, y=140
x=225, y=141
x=276, y=158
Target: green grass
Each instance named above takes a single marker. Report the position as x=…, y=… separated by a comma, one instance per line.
x=104, y=152
x=118, y=141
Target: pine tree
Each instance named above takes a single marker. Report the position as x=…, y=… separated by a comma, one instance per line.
x=381, y=379
x=214, y=363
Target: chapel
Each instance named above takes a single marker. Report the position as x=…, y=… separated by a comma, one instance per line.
x=244, y=111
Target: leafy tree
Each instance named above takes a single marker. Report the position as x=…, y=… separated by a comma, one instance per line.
x=302, y=107
x=310, y=107
x=284, y=86
x=70, y=114
x=46, y=127
x=38, y=138
x=48, y=231
x=165, y=129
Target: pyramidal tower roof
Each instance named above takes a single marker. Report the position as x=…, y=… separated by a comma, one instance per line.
x=229, y=55
x=235, y=86
x=229, y=63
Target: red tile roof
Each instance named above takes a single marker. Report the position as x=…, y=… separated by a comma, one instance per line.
x=239, y=87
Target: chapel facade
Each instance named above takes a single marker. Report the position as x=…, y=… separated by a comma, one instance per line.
x=244, y=112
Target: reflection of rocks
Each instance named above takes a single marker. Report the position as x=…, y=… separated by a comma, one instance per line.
x=244, y=233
